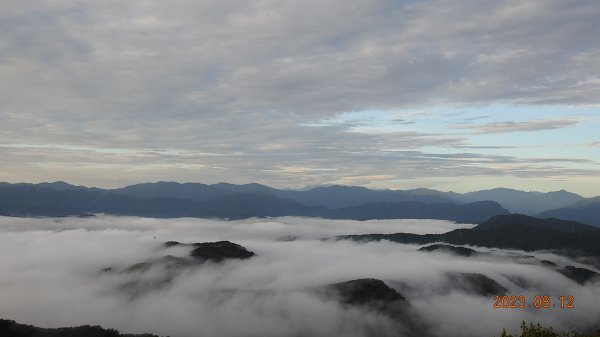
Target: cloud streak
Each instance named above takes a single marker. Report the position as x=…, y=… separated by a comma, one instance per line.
x=525, y=126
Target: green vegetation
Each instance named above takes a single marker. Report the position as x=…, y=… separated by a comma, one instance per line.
x=9, y=328
x=537, y=330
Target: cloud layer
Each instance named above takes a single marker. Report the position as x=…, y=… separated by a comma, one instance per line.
x=227, y=91
x=51, y=278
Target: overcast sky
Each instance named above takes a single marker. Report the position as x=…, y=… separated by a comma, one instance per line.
x=447, y=94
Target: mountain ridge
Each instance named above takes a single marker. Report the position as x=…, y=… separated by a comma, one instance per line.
x=560, y=198
x=31, y=200
x=514, y=231
x=164, y=195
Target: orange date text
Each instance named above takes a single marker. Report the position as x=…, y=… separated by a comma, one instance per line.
x=536, y=302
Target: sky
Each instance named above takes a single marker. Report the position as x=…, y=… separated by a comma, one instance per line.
x=444, y=94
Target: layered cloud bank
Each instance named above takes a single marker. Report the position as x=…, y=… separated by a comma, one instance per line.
x=52, y=276
x=379, y=93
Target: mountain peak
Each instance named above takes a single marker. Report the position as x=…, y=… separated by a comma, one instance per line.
x=500, y=221
x=58, y=185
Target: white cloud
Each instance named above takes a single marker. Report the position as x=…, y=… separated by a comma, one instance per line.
x=535, y=125
x=51, y=278
x=213, y=77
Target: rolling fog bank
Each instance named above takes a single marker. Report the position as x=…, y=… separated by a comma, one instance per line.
x=52, y=276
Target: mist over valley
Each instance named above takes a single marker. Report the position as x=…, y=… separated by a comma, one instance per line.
x=75, y=271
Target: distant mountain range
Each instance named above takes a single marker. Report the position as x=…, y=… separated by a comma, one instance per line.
x=230, y=201
x=586, y=211
x=331, y=197
x=520, y=201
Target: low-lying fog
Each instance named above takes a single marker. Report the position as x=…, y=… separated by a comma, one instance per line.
x=50, y=276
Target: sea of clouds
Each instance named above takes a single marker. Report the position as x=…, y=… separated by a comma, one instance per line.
x=50, y=276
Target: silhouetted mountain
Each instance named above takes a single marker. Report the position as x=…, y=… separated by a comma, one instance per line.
x=244, y=205
x=470, y=213
x=57, y=185
x=247, y=188
x=586, y=201
x=166, y=268
x=192, y=191
x=520, y=201
x=60, y=185
x=339, y=196
x=511, y=232
x=219, y=251
x=586, y=211
x=10, y=328
x=32, y=200
x=199, y=253
x=475, y=283
x=364, y=292
x=375, y=295
x=460, y=251
x=579, y=275
x=498, y=222
x=331, y=196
